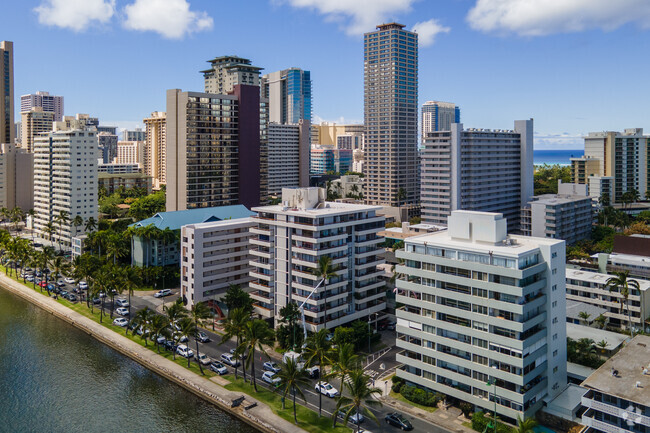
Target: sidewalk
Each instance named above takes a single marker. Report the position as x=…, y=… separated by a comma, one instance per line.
x=260, y=417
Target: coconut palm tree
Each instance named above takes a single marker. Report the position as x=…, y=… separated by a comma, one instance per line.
x=45, y=257
x=143, y=319
x=584, y=316
x=292, y=379
x=343, y=362
x=257, y=334
x=59, y=266
x=526, y=425
x=175, y=313
x=159, y=327
x=325, y=270
x=400, y=195
x=49, y=230
x=17, y=216
x=77, y=222
x=130, y=280
x=601, y=320
x=199, y=312
x=91, y=225
x=621, y=284
x=359, y=400
x=188, y=328
x=235, y=327
x=114, y=247
x=318, y=350
x=602, y=344
x=61, y=218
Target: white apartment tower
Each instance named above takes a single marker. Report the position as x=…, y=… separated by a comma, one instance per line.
x=484, y=315
x=288, y=156
x=65, y=179
x=288, y=242
x=477, y=169
x=49, y=103
x=155, y=148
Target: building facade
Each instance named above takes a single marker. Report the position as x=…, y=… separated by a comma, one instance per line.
x=438, y=116
x=7, y=131
x=558, y=216
x=391, y=116
x=288, y=242
x=34, y=122
x=112, y=182
x=484, y=315
x=107, y=147
x=136, y=134
x=155, y=148
x=289, y=95
x=214, y=255
x=49, y=104
x=288, y=156
x=226, y=72
x=130, y=152
x=16, y=178
x=477, y=169
x=65, y=180
x=327, y=134
x=118, y=168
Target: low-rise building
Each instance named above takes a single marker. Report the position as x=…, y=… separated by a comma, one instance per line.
x=113, y=182
x=119, y=168
x=350, y=186
x=558, y=216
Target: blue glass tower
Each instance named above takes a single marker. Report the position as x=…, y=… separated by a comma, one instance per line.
x=289, y=95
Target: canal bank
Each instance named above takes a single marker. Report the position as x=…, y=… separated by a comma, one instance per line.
x=259, y=416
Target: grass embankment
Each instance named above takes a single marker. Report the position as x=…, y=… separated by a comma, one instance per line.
x=307, y=419
x=401, y=398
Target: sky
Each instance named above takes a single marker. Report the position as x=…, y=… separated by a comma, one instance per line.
x=574, y=66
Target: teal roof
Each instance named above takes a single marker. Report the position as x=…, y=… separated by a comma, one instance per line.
x=175, y=220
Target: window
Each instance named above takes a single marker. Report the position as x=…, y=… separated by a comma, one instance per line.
x=554, y=255
x=554, y=271
x=554, y=353
x=480, y=309
x=555, y=369
x=554, y=320
x=480, y=342
x=482, y=293
x=480, y=359
x=554, y=288
x=554, y=337
x=554, y=304
x=479, y=326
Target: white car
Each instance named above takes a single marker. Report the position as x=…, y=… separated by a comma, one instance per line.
x=83, y=285
x=184, y=351
x=69, y=280
x=203, y=359
x=230, y=359
x=162, y=293
x=120, y=321
x=271, y=378
x=122, y=311
x=271, y=366
x=355, y=418
x=121, y=302
x=218, y=368
x=327, y=389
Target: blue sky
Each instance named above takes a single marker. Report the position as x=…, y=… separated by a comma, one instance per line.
x=573, y=65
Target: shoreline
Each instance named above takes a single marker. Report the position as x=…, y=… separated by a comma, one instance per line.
x=260, y=417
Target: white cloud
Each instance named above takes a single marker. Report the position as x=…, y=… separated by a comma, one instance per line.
x=543, y=17
x=76, y=15
x=358, y=16
x=317, y=120
x=428, y=30
x=558, y=141
x=172, y=19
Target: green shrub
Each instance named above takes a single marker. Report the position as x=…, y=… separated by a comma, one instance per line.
x=420, y=396
x=466, y=408
x=396, y=387
x=479, y=421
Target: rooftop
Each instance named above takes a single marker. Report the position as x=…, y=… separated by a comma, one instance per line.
x=613, y=339
x=558, y=199
x=327, y=208
x=223, y=224
x=598, y=278
x=630, y=383
x=574, y=308
x=175, y=220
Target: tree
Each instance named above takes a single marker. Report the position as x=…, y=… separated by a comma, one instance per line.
x=318, y=350
x=325, y=270
x=584, y=316
x=175, y=313
x=115, y=246
x=526, y=425
x=235, y=327
x=344, y=361
x=49, y=230
x=159, y=327
x=359, y=400
x=237, y=298
x=91, y=224
x=288, y=333
x=602, y=344
x=61, y=218
x=621, y=284
x=77, y=222
x=604, y=199
x=187, y=328
x=31, y=213
x=601, y=320
x=546, y=177
x=292, y=379
x=257, y=334
x=142, y=320
x=199, y=312
x=400, y=195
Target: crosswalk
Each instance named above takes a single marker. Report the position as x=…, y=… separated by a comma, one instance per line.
x=372, y=374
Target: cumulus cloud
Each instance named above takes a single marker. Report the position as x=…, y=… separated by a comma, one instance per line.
x=428, y=30
x=543, y=17
x=558, y=141
x=172, y=19
x=76, y=15
x=357, y=16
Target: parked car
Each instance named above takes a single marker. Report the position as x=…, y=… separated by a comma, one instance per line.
x=43, y=284
x=271, y=378
x=120, y=321
x=72, y=297
x=170, y=345
x=83, y=285
x=51, y=287
x=203, y=358
x=161, y=340
x=218, y=367
x=229, y=358
x=355, y=418
x=121, y=302
x=202, y=337
x=397, y=420
x=181, y=339
x=391, y=326
x=60, y=283
x=63, y=293
x=271, y=366
x=327, y=389
x=122, y=311
x=69, y=280
x=185, y=351
x=162, y=293
x=314, y=372
x=97, y=301
x=30, y=278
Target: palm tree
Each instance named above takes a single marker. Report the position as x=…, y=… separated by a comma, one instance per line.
x=143, y=320
x=235, y=327
x=130, y=279
x=584, y=316
x=257, y=334
x=62, y=217
x=77, y=222
x=526, y=425
x=344, y=361
x=91, y=224
x=60, y=266
x=44, y=258
x=601, y=320
x=199, y=312
x=159, y=326
x=292, y=378
x=400, y=195
x=114, y=247
x=318, y=350
x=602, y=344
x=622, y=284
x=49, y=230
x=188, y=328
x=359, y=400
x=325, y=270
x=175, y=313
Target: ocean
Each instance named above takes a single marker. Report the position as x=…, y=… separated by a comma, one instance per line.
x=561, y=157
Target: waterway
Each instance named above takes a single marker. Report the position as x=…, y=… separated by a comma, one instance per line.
x=55, y=378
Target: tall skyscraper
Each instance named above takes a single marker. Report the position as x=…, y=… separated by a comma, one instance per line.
x=155, y=148
x=438, y=116
x=289, y=95
x=7, y=127
x=227, y=72
x=391, y=115
x=33, y=122
x=49, y=103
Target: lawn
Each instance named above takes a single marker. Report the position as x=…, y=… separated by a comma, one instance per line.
x=401, y=398
x=307, y=419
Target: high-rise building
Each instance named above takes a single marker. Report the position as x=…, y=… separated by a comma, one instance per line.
x=289, y=240
x=130, y=152
x=216, y=150
x=558, y=216
x=391, y=115
x=7, y=128
x=49, y=103
x=33, y=122
x=83, y=119
x=288, y=156
x=134, y=135
x=226, y=72
x=107, y=144
x=438, y=116
x=155, y=148
x=484, y=316
x=477, y=169
x=65, y=179
x=16, y=178
x=327, y=134
x=289, y=95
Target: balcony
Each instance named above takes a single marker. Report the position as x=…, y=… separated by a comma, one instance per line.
x=588, y=402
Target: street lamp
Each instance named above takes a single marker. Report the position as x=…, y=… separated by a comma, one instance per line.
x=493, y=382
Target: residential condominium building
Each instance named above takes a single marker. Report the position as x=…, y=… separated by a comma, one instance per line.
x=327, y=134
x=226, y=72
x=7, y=128
x=438, y=116
x=483, y=315
x=288, y=242
x=477, y=169
x=391, y=116
x=558, y=216
x=107, y=147
x=289, y=95
x=49, y=103
x=34, y=122
x=112, y=182
x=136, y=134
x=155, y=149
x=65, y=180
x=16, y=178
x=618, y=396
x=214, y=255
x=288, y=158
x=326, y=159
x=130, y=152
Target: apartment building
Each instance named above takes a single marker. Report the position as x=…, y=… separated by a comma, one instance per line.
x=214, y=255
x=155, y=148
x=32, y=123
x=288, y=156
x=438, y=116
x=130, y=152
x=289, y=95
x=226, y=72
x=107, y=147
x=289, y=240
x=112, y=182
x=45, y=101
x=136, y=134
x=483, y=315
x=16, y=178
x=558, y=216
